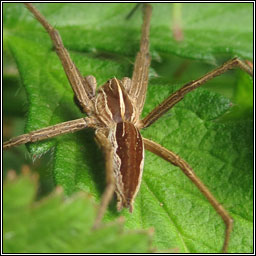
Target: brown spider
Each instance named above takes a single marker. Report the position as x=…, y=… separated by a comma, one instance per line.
x=114, y=112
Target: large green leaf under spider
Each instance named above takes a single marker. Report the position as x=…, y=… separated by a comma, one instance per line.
x=219, y=152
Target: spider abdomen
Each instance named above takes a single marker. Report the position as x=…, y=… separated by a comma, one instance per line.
x=127, y=163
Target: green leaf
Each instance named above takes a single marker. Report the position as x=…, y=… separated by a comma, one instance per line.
x=102, y=43
x=58, y=224
x=209, y=29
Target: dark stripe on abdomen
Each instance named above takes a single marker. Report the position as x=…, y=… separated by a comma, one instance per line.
x=131, y=152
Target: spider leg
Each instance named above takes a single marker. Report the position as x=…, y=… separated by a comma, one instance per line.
x=187, y=170
x=139, y=82
x=49, y=132
x=177, y=96
x=92, y=83
x=80, y=86
x=110, y=189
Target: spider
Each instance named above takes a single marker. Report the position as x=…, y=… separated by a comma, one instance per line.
x=113, y=111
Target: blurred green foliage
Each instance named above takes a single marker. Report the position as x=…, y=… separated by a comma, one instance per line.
x=60, y=225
